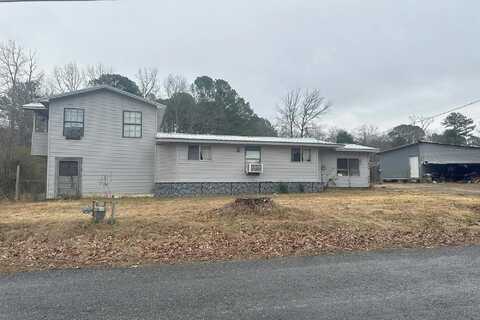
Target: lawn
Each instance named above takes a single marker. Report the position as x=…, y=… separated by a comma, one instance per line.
x=55, y=234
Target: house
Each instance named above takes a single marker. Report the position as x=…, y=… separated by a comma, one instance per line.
x=102, y=139
x=423, y=159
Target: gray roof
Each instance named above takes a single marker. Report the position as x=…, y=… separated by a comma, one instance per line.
x=210, y=138
x=227, y=139
x=356, y=147
x=47, y=100
x=429, y=142
x=34, y=106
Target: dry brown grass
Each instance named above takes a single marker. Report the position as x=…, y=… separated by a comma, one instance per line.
x=54, y=234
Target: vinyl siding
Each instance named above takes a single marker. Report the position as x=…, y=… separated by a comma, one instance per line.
x=39, y=143
x=127, y=162
x=228, y=165
x=329, y=163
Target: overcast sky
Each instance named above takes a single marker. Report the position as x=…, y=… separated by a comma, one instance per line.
x=377, y=61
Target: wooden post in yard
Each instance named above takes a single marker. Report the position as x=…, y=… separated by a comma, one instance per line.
x=17, y=184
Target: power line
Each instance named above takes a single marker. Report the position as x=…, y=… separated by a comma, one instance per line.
x=453, y=109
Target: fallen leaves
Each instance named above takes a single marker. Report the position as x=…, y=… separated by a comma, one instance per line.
x=184, y=230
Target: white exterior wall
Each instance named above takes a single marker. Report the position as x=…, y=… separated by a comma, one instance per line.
x=228, y=165
x=39, y=143
x=329, y=162
x=128, y=162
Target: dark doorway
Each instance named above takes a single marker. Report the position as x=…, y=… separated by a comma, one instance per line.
x=453, y=172
x=68, y=178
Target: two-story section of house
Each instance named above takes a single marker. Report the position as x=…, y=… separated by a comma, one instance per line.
x=96, y=140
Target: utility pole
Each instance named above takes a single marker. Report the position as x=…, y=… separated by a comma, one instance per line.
x=17, y=183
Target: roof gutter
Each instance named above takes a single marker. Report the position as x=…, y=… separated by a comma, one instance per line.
x=244, y=142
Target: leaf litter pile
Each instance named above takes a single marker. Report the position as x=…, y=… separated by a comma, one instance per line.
x=54, y=234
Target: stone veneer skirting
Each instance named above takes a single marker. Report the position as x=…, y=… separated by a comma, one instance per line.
x=175, y=189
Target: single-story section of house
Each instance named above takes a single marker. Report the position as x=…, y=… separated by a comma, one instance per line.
x=102, y=139
x=195, y=163
x=429, y=159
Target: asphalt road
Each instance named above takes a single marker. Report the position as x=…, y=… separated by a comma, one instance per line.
x=403, y=284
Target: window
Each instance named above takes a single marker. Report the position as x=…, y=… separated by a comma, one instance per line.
x=41, y=122
x=199, y=152
x=132, y=124
x=301, y=154
x=306, y=154
x=253, y=154
x=205, y=153
x=68, y=169
x=348, y=167
x=194, y=152
x=354, y=167
x=73, y=122
x=342, y=167
x=296, y=154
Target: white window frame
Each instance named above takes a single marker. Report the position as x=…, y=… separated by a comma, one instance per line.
x=349, y=169
x=256, y=149
x=302, y=154
x=124, y=134
x=71, y=122
x=200, y=154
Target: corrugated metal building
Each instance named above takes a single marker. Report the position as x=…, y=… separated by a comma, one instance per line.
x=421, y=159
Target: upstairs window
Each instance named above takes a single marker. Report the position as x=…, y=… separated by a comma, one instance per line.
x=41, y=122
x=348, y=167
x=73, y=123
x=132, y=124
x=253, y=154
x=300, y=154
x=199, y=152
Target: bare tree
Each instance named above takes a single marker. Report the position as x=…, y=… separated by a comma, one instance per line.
x=366, y=134
x=288, y=112
x=95, y=71
x=369, y=135
x=313, y=106
x=68, y=77
x=174, y=84
x=20, y=80
x=299, y=110
x=422, y=122
x=148, y=82
x=12, y=66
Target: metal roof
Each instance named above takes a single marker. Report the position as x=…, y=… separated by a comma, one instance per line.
x=356, y=147
x=187, y=137
x=47, y=100
x=428, y=142
x=34, y=106
x=227, y=139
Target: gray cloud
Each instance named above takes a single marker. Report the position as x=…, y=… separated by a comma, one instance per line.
x=378, y=61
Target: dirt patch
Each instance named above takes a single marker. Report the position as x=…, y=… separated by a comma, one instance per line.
x=249, y=206
x=54, y=234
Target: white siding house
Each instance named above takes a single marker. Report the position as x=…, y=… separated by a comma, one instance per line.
x=102, y=139
x=108, y=161
x=227, y=163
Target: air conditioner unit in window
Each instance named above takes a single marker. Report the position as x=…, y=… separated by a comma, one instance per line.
x=254, y=168
x=73, y=133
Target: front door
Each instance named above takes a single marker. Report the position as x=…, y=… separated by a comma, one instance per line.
x=414, y=170
x=68, y=178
